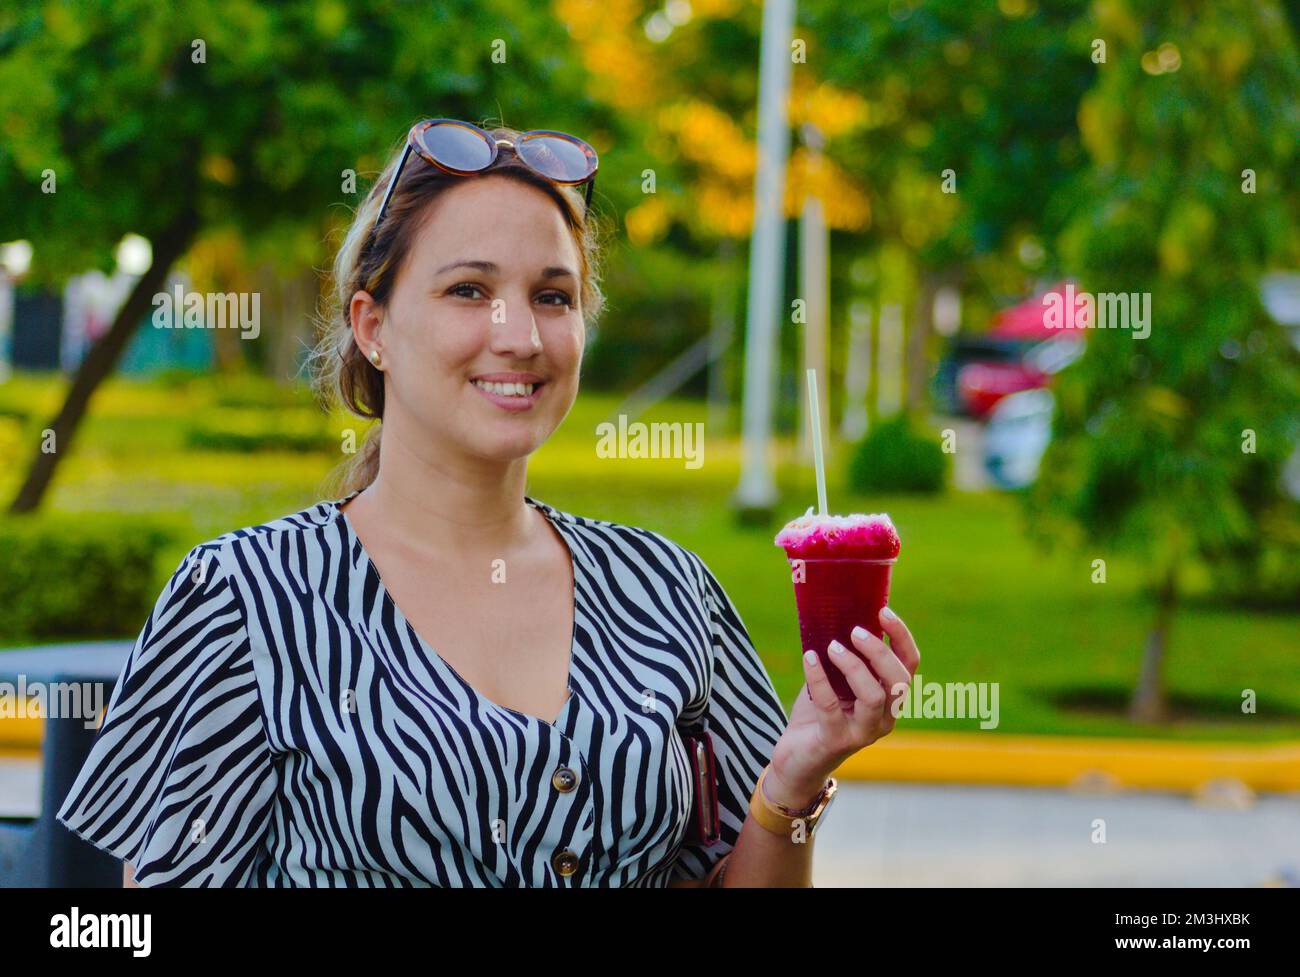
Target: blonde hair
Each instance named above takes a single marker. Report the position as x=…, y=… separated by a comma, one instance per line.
x=340, y=373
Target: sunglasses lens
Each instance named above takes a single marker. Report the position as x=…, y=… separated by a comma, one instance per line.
x=457, y=147
x=561, y=159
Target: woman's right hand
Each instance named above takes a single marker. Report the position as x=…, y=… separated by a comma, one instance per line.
x=823, y=732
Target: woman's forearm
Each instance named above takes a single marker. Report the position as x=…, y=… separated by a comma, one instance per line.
x=822, y=733
x=764, y=859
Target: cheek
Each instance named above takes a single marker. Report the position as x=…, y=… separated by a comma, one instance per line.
x=453, y=347
x=572, y=344
x=443, y=337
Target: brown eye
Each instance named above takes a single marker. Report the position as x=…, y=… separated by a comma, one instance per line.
x=562, y=296
x=458, y=290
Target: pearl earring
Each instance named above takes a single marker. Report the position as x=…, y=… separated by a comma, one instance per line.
x=374, y=356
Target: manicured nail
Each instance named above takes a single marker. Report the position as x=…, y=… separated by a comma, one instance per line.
x=887, y=613
x=810, y=657
x=837, y=648
x=860, y=633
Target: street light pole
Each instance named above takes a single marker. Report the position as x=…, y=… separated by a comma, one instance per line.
x=756, y=493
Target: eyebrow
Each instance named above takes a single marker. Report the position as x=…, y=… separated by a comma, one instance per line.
x=552, y=271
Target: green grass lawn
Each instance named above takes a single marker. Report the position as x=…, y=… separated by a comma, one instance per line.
x=984, y=604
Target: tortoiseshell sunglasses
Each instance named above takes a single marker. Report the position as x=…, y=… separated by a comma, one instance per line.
x=463, y=148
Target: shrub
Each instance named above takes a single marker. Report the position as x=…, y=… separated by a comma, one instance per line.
x=898, y=456
x=279, y=429
x=252, y=391
x=72, y=576
x=11, y=436
x=177, y=377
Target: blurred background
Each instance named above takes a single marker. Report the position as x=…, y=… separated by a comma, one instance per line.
x=1102, y=522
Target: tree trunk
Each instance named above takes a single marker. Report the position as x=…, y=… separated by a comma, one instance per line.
x=1148, y=704
x=99, y=362
x=918, y=364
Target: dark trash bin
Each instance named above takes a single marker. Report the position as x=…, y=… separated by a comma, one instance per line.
x=40, y=852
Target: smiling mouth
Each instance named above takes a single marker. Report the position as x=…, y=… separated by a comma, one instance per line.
x=510, y=396
x=508, y=389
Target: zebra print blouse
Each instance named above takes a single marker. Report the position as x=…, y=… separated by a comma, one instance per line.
x=278, y=722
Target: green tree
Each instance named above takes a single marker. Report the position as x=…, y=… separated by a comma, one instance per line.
x=1170, y=447
x=169, y=119
x=971, y=147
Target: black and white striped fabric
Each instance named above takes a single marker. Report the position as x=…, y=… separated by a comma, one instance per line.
x=280, y=723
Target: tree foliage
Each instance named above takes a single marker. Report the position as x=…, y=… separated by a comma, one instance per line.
x=1171, y=447
x=248, y=113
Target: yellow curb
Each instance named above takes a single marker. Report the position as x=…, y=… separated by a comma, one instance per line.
x=1067, y=761
x=21, y=735
x=1028, y=761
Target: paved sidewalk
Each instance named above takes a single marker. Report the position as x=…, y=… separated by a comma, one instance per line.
x=884, y=835
x=20, y=788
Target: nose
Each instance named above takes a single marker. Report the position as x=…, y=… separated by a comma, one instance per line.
x=514, y=329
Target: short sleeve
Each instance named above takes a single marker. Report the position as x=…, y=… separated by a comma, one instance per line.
x=744, y=717
x=180, y=780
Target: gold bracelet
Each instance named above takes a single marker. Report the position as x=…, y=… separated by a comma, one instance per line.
x=775, y=820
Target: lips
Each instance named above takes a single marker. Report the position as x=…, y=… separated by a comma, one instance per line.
x=513, y=396
x=505, y=389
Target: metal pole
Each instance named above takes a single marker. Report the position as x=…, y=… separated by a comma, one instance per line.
x=757, y=488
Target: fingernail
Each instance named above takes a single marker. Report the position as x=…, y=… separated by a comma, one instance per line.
x=887, y=613
x=837, y=648
x=810, y=657
x=860, y=633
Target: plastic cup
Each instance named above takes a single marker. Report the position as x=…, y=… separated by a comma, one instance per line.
x=840, y=567
x=834, y=596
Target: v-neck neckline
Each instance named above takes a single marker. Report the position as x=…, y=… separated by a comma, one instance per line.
x=552, y=516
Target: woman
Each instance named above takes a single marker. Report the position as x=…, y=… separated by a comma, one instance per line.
x=437, y=679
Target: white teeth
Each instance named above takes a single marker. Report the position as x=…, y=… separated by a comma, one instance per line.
x=506, y=389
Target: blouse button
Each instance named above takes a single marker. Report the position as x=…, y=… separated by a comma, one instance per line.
x=564, y=780
x=564, y=862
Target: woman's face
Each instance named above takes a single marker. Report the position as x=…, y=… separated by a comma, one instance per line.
x=489, y=293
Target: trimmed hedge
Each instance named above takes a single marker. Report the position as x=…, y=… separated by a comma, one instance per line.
x=898, y=456
x=261, y=430
x=79, y=576
x=255, y=392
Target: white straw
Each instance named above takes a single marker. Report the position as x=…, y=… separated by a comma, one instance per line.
x=814, y=414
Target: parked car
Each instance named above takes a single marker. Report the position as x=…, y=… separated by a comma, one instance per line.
x=964, y=351
x=981, y=385
x=1018, y=431
x=1021, y=351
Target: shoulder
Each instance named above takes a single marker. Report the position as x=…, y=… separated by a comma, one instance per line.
x=200, y=627
x=232, y=549
x=212, y=612
x=647, y=548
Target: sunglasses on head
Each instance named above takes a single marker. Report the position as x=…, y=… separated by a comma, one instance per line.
x=462, y=148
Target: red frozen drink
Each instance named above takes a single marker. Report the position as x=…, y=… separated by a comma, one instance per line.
x=840, y=566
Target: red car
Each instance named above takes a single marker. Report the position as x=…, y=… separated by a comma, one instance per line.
x=980, y=385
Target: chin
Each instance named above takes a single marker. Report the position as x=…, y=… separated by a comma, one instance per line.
x=510, y=448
